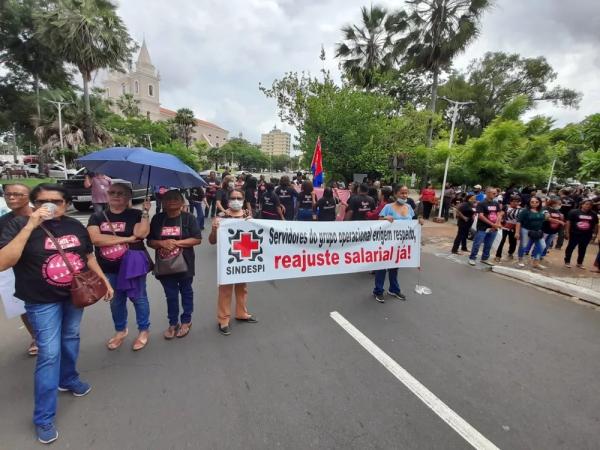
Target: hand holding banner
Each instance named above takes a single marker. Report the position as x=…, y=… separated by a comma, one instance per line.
x=260, y=250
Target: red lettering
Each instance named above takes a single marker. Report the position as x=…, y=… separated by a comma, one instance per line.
x=286, y=261
x=347, y=258
x=335, y=259
x=277, y=259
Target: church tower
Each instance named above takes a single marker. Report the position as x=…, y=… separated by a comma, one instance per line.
x=143, y=83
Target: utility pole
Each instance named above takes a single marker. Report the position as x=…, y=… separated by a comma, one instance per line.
x=15, y=148
x=455, y=106
x=551, y=175
x=149, y=136
x=59, y=107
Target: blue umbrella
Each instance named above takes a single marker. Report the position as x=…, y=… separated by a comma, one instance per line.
x=142, y=166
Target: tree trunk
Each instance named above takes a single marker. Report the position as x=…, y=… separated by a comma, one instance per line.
x=88, y=130
x=36, y=82
x=434, y=89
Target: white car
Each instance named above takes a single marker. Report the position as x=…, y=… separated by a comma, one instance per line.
x=32, y=169
x=57, y=171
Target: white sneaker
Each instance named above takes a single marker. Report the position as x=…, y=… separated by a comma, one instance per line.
x=472, y=262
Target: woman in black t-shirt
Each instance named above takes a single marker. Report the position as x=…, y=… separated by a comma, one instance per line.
x=307, y=202
x=581, y=228
x=114, y=233
x=287, y=196
x=222, y=195
x=236, y=210
x=326, y=206
x=270, y=207
x=464, y=219
x=174, y=233
x=43, y=282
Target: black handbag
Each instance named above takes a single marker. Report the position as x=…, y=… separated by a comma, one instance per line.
x=170, y=266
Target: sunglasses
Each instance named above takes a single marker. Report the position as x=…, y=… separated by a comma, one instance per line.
x=14, y=194
x=57, y=202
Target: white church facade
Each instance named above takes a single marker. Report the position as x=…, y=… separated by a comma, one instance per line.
x=143, y=82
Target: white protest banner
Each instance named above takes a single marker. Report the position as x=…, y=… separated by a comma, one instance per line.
x=13, y=307
x=260, y=250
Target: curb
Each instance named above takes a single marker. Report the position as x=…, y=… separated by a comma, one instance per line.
x=573, y=290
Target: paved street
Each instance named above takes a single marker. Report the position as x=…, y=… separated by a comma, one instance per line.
x=520, y=365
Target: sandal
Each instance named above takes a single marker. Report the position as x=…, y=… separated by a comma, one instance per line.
x=249, y=319
x=33, y=349
x=170, y=332
x=141, y=341
x=115, y=341
x=184, y=329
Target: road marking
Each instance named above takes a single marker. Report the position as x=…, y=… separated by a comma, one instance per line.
x=462, y=427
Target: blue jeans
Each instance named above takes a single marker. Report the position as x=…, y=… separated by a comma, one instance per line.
x=198, y=206
x=539, y=245
x=173, y=287
x=487, y=239
x=380, y=281
x=549, y=241
x=118, y=306
x=56, y=330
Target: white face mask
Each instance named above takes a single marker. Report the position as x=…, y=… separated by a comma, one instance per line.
x=231, y=185
x=236, y=205
x=402, y=201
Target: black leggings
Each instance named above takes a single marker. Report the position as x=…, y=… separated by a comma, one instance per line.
x=427, y=209
x=461, y=236
x=580, y=241
x=211, y=207
x=512, y=243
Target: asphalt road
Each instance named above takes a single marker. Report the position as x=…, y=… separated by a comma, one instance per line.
x=518, y=364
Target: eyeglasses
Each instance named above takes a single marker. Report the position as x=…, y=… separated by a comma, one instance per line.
x=55, y=201
x=236, y=198
x=14, y=194
x=117, y=193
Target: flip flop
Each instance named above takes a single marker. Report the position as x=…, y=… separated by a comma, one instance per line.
x=33, y=349
x=170, y=332
x=184, y=329
x=139, y=343
x=115, y=342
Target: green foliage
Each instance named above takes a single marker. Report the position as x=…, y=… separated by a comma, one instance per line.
x=248, y=156
x=137, y=131
x=129, y=106
x=184, y=123
x=187, y=155
x=280, y=162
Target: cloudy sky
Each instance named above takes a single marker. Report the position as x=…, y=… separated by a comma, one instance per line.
x=212, y=54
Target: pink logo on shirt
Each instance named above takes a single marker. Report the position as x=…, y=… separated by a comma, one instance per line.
x=56, y=272
x=119, y=227
x=170, y=231
x=65, y=242
x=113, y=252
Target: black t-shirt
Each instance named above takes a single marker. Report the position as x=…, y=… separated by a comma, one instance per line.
x=360, y=205
x=326, y=207
x=305, y=200
x=583, y=223
x=269, y=204
x=5, y=219
x=212, y=188
x=109, y=257
x=183, y=227
x=287, y=196
x=250, y=197
x=552, y=228
x=413, y=205
x=196, y=194
x=223, y=197
x=41, y=275
x=467, y=210
x=567, y=205
x=490, y=210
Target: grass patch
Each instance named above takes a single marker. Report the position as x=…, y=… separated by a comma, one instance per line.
x=31, y=182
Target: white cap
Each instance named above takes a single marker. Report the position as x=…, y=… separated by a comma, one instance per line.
x=477, y=186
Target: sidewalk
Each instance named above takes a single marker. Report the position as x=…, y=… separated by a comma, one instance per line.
x=441, y=236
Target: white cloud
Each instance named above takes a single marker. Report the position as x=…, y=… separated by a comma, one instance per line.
x=212, y=54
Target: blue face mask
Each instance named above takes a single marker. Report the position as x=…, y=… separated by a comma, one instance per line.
x=401, y=201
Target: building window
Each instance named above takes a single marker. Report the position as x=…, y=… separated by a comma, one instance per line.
x=151, y=90
x=123, y=89
x=137, y=87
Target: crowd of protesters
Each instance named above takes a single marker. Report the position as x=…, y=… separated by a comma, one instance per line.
x=117, y=237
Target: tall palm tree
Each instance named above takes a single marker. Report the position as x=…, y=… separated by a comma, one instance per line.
x=90, y=35
x=437, y=31
x=368, y=49
x=129, y=106
x=184, y=123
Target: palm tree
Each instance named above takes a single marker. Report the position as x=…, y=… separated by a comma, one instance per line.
x=437, y=31
x=128, y=105
x=90, y=35
x=184, y=123
x=368, y=50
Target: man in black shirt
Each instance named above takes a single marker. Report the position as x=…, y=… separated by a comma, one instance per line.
x=489, y=220
x=359, y=205
x=17, y=199
x=287, y=196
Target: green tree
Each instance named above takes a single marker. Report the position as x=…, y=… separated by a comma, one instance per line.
x=184, y=123
x=90, y=35
x=498, y=78
x=179, y=149
x=368, y=49
x=280, y=162
x=137, y=131
x=247, y=155
x=437, y=31
x=129, y=106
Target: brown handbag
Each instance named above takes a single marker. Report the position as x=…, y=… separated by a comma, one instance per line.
x=86, y=287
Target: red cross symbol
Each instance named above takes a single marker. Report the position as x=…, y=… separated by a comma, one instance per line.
x=245, y=245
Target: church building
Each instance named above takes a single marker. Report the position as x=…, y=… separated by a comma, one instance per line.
x=143, y=82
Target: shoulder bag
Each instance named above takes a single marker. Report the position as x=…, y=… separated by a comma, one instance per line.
x=112, y=228
x=172, y=266
x=86, y=287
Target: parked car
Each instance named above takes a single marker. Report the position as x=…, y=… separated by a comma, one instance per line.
x=33, y=170
x=58, y=171
x=82, y=196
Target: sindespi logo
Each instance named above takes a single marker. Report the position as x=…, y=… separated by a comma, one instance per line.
x=245, y=245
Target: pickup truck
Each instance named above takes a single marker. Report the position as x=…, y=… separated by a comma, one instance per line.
x=82, y=196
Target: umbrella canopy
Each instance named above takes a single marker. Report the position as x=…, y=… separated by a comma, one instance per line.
x=142, y=166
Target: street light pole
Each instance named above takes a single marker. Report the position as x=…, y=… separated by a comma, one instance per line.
x=551, y=175
x=59, y=106
x=149, y=136
x=455, y=106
